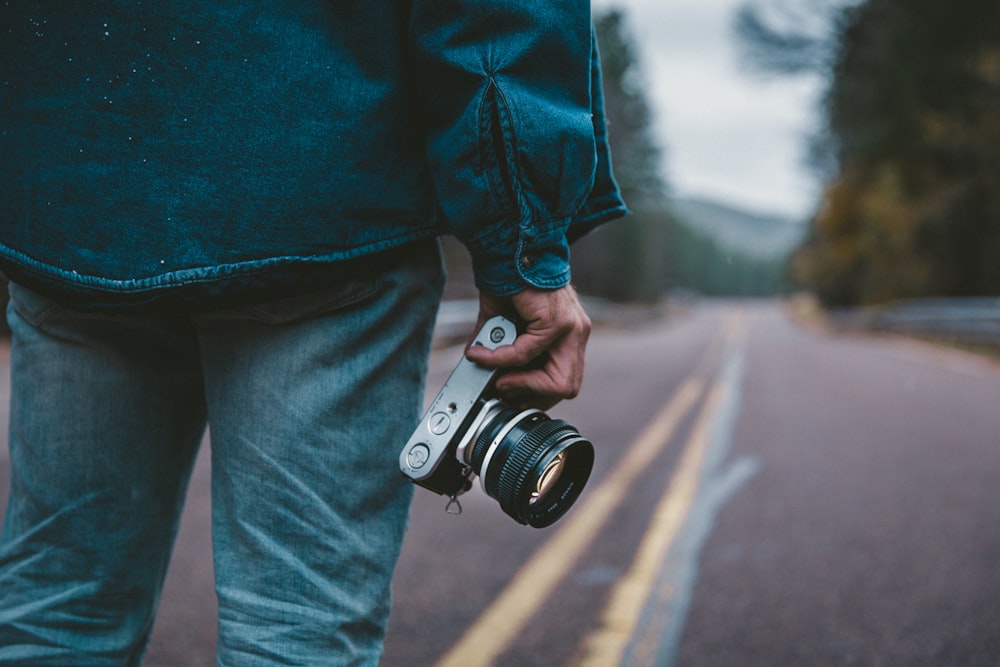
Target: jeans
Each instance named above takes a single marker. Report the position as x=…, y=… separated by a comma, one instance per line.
x=309, y=401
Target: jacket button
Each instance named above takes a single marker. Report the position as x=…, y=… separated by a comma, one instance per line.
x=527, y=260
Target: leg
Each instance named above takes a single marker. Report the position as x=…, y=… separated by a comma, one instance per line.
x=310, y=401
x=106, y=415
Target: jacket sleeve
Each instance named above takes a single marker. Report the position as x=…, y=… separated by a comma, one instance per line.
x=507, y=93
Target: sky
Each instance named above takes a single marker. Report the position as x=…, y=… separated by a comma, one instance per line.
x=728, y=135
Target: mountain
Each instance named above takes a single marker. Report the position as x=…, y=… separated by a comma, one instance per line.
x=752, y=235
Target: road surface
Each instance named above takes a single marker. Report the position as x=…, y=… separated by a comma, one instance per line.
x=765, y=493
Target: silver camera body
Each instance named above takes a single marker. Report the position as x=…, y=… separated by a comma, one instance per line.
x=534, y=466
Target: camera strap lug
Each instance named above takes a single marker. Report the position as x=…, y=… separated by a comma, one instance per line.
x=453, y=506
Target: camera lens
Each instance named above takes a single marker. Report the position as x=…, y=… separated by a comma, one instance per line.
x=534, y=466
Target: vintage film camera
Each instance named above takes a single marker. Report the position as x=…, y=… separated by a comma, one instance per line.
x=534, y=466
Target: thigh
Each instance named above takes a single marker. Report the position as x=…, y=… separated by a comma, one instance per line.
x=310, y=401
x=106, y=414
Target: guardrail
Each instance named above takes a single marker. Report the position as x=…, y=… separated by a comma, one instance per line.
x=456, y=319
x=971, y=320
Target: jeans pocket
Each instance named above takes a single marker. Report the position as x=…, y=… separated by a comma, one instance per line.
x=301, y=306
x=31, y=305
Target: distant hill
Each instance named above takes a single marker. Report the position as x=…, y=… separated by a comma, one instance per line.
x=752, y=235
x=709, y=248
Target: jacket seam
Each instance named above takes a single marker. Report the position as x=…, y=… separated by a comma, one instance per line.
x=199, y=275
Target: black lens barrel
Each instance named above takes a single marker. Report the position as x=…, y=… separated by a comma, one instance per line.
x=516, y=463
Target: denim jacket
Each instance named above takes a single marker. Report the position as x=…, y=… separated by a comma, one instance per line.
x=212, y=146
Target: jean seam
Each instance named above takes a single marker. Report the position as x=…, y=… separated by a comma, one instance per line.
x=36, y=316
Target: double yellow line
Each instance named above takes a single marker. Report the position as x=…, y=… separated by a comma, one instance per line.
x=494, y=630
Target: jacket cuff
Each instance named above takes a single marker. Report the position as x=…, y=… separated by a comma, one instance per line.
x=514, y=258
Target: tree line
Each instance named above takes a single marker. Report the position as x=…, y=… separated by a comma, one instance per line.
x=651, y=252
x=910, y=148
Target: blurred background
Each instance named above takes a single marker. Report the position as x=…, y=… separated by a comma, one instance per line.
x=844, y=148
x=802, y=174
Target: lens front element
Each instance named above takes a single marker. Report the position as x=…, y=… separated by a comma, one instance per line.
x=549, y=477
x=534, y=466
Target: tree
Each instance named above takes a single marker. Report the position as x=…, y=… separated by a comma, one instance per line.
x=912, y=117
x=626, y=260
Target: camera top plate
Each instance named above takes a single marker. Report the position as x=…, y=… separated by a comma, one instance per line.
x=442, y=422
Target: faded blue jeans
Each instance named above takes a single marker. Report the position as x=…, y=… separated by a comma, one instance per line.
x=309, y=401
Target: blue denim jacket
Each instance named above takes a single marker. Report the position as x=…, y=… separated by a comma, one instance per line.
x=208, y=147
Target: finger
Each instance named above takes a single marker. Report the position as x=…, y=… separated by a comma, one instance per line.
x=537, y=383
x=561, y=377
x=522, y=352
x=527, y=401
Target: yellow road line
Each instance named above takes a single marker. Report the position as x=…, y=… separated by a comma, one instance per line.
x=606, y=646
x=485, y=640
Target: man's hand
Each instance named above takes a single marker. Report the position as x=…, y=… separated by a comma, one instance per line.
x=547, y=357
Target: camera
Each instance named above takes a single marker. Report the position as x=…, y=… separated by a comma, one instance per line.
x=534, y=466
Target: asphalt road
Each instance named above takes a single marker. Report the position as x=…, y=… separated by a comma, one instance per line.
x=766, y=493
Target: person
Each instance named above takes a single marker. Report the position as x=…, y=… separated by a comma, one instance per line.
x=225, y=213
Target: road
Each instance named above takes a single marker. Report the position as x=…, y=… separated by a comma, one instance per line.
x=765, y=493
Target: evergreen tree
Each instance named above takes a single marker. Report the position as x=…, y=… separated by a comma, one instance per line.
x=913, y=128
x=626, y=260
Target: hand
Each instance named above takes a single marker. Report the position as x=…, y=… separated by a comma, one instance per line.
x=547, y=357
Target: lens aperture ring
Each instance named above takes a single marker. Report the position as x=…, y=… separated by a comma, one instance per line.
x=490, y=431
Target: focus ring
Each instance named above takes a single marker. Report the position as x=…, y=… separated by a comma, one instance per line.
x=521, y=462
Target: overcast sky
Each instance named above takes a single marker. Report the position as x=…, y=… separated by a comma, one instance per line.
x=728, y=136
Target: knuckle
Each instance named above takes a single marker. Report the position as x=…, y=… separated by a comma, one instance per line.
x=568, y=389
